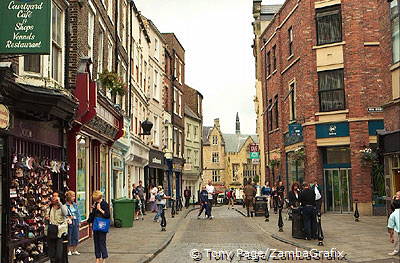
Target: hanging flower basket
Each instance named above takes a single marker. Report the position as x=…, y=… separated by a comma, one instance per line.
x=368, y=156
x=299, y=155
x=112, y=82
x=274, y=162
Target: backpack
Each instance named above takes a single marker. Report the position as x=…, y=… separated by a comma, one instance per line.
x=229, y=194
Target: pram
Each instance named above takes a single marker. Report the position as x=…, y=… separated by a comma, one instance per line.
x=140, y=207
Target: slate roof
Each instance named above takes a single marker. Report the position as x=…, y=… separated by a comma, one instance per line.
x=206, y=132
x=234, y=142
x=190, y=113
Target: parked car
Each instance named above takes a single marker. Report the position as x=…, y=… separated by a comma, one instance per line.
x=221, y=198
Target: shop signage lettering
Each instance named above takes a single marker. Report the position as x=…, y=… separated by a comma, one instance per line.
x=25, y=26
x=4, y=117
x=254, y=148
x=375, y=109
x=155, y=160
x=254, y=155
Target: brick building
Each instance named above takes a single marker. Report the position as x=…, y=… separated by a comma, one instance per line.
x=324, y=70
x=174, y=105
x=389, y=140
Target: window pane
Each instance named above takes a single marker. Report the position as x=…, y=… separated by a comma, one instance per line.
x=331, y=90
x=32, y=63
x=396, y=39
x=329, y=28
x=56, y=63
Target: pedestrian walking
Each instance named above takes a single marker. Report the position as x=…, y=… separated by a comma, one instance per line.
x=394, y=228
x=74, y=219
x=187, y=193
x=231, y=198
x=141, y=194
x=275, y=198
x=318, y=195
x=158, y=204
x=203, y=197
x=100, y=220
x=56, y=231
x=266, y=191
x=161, y=198
x=211, y=192
x=395, y=199
x=281, y=190
x=307, y=201
x=249, y=194
x=153, y=204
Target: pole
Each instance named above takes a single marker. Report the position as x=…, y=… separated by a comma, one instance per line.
x=356, y=214
x=266, y=211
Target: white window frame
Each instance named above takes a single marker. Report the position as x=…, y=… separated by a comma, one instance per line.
x=215, y=140
x=215, y=157
x=156, y=139
x=156, y=92
x=110, y=49
x=59, y=47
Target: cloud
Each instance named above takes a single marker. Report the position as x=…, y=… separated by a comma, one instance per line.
x=217, y=37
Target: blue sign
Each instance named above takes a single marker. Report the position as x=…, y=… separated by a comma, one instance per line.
x=375, y=125
x=295, y=129
x=329, y=130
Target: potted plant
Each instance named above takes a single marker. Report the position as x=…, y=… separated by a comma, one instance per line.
x=112, y=82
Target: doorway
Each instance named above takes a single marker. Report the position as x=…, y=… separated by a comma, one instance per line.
x=337, y=190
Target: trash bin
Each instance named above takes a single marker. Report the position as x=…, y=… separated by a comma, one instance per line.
x=260, y=205
x=123, y=211
x=297, y=224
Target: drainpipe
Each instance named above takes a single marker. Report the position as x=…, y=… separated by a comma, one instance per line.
x=117, y=6
x=130, y=60
x=67, y=37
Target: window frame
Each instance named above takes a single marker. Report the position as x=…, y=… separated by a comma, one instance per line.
x=292, y=101
x=331, y=90
x=392, y=26
x=57, y=42
x=290, y=37
x=319, y=13
x=268, y=63
x=274, y=59
x=215, y=157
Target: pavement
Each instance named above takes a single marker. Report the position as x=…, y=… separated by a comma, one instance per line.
x=138, y=244
x=363, y=241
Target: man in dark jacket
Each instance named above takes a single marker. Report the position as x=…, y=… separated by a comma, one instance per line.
x=187, y=193
x=249, y=192
x=204, y=202
x=318, y=195
x=307, y=201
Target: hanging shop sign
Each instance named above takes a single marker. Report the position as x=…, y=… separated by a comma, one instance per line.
x=25, y=26
x=4, y=117
x=295, y=129
x=254, y=155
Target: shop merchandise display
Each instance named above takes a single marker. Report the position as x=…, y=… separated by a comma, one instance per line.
x=31, y=186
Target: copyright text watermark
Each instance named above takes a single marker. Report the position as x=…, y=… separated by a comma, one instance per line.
x=265, y=255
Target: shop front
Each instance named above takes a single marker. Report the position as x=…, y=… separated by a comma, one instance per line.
x=177, y=168
x=155, y=171
x=136, y=159
x=96, y=127
x=33, y=121
x=389, y=145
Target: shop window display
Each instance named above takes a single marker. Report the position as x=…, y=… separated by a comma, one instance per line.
x=32, y=182
x=82, y=152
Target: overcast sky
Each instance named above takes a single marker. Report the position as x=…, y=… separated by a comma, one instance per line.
x=217, y=36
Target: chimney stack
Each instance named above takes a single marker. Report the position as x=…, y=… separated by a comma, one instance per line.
x=216, y=123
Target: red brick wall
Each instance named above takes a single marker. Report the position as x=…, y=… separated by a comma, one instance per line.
x=367, y=79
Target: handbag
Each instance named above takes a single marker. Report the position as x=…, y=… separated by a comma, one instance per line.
x=101, y=224
x=52, y=231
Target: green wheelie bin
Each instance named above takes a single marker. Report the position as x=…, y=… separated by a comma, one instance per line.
x=123, y=211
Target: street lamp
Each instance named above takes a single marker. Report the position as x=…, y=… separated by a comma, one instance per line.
x=280, y=220
x=146, y=127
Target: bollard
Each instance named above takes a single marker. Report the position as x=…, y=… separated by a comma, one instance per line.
x=356, y=214
x=320, y=233
x=280, y=220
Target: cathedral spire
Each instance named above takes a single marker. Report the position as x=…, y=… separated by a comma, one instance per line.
x=237, y=123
